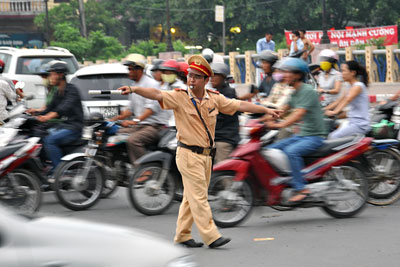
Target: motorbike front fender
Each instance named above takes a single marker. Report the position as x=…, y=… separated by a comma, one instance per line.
x=240, y=167
x=156, y=156
x=73, y=156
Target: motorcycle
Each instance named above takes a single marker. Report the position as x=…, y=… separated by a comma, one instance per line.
x=19, y=187
x=384, y=157
x=252, y=177
x=156, y=181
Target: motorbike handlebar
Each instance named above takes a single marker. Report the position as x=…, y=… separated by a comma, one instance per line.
x=105, y=92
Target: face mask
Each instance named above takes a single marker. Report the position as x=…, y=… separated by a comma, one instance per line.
x=325, y=65
x=168, y=78
x=278, y=76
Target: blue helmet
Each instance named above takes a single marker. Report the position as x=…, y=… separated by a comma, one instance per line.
x=294, y=65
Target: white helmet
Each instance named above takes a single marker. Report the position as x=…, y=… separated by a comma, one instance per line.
x=328, y=55
x=208, y=54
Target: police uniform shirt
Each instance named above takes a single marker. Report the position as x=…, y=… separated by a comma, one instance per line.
x=191, y=130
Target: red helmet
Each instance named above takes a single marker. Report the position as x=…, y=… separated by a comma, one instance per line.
x=2, y=66
x=170, y=65
x=183, y=68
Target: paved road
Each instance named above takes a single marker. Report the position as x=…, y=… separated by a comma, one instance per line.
x=305, y=237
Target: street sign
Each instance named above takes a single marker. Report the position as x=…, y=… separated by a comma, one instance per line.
x=219, y=14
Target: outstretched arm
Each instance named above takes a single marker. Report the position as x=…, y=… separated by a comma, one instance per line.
x=151, y=93
x=252, y=108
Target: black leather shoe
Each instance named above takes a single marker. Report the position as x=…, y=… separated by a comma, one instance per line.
x=220, y=242
x=191, y=244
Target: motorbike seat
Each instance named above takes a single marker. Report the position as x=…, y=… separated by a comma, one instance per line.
x=329, y=145
x=9, y=150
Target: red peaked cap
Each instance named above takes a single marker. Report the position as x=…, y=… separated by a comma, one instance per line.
x=199, y=63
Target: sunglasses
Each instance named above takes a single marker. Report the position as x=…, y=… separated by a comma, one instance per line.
x=135, y=68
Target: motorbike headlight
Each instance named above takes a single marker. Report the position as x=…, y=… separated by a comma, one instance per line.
x=186, y=261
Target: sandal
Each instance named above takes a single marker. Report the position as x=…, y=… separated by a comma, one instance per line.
x=299, y=197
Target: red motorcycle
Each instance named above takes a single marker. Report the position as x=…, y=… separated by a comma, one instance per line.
x=255, y=176
x=19, y=188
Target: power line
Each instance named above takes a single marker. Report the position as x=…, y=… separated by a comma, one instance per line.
x=204, y=9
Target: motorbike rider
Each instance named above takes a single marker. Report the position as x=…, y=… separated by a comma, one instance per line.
x=329, y=79
x=281, y=91
x=227, y=127
x=8, y=94
x=357, y=100
x=149, y=118
x=170, y=70
x=306, y=108
x=156, y=71
x=64, y=105
x=268, y=59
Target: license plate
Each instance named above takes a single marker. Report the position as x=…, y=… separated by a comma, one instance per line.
x=108, y=112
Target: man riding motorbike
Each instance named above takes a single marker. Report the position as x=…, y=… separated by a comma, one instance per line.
x=268, y=59
x=64, y=105
x=149, y=118
x=227, y=127
x=306, y=107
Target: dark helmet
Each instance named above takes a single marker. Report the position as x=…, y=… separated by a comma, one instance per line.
x=171, y=65
x=294, y=65
x=220, y=68
x=157, y=64
x=268, y=56
x=57, y=66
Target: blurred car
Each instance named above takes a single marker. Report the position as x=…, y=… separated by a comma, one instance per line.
x=24, y=64
x=57, y=242
x=109, y=76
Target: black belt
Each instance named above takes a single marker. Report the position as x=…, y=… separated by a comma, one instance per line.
x=208, y=151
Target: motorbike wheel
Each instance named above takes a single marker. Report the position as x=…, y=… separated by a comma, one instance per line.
x=20, y=190
x=231, y=202
x=73, y=193
x=384, y=184
x=146, y=195
x=352, y=173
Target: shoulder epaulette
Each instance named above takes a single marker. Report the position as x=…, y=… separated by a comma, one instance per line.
x=213, y=91
x=180, y=89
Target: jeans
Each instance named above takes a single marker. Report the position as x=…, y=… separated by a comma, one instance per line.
x=54, y=140
x=295, y=148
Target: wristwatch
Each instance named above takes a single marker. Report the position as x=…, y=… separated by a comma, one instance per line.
x=136, y=120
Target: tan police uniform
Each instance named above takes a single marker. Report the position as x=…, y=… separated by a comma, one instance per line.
x=196, y=168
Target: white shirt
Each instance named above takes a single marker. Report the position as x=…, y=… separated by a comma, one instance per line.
x=139, y=103
x=327, y=82
x=6, y=93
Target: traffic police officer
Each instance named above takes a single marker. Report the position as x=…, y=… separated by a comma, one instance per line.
x=196, y=111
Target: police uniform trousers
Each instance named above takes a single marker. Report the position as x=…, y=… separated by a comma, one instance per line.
x=196, y=172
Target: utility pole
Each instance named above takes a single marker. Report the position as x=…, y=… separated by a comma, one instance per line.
x=47, y=23
x=82, y=17
x=169, y=42
x=325, y=37
x=220, y=17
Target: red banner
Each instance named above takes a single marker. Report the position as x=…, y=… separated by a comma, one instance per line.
x=351, y=37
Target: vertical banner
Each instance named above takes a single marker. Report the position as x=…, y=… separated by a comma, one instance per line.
x=345, y=38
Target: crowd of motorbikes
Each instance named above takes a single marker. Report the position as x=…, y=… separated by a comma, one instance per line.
x=342, y=176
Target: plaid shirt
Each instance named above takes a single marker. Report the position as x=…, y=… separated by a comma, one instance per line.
x=279, y=95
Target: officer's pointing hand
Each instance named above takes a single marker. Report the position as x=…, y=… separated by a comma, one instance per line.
x=276, y=113
x=126, y=90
